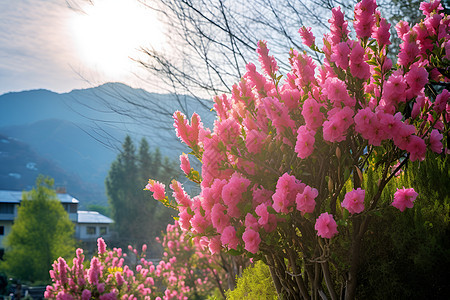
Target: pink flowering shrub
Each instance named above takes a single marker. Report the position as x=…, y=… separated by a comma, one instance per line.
x=187, y=270
x=285, y=167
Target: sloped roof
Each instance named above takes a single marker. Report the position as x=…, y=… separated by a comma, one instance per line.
x=16, y=196
x=92, y=217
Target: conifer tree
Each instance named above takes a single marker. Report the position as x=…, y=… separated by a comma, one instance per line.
x=138, y=219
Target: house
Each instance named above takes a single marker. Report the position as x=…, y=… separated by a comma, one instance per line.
x=89, y=225
x=92, y=225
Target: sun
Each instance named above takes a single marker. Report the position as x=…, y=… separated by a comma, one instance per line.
x=109, y=33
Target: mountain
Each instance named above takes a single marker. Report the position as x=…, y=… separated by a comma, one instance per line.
x=20, y=165
x=80, y=132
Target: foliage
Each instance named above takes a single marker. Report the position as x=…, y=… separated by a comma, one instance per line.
x=255, y=283
x=41, y=232
x=294, y=171
x=408, y=255
x=137, y=219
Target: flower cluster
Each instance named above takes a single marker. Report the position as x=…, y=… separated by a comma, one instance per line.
x=269, y=159
x=185, y=271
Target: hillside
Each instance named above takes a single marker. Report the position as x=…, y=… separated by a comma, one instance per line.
x=81, y=132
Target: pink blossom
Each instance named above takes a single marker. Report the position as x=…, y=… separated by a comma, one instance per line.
x=394, y=89
x=416, y=78
x=180, y=195
x=340, y=55
x=261, y=211
x=199, y=223
x=364, y=18
x=215, y=245
x=338, y=26
x=184, y=219
x=229, y=237
x=303, y=68
x=101, y=246
x=95, y=271
x=326, y=226
x=312, y=114
x=442, y=100
x=381, y=33
x=252, y=240
x=354, y=201
x=218, y=217
x=336, y=91
x=429, y=7
x=307, y=36
x=435, y=141
x=402, y=28
x=409, y=50
x=305, y=142
x=158, y=189
x=305, y=201
x=268, y=63
x=403, y=135
x=404, y=198
x=416, y=148
x=185, y=165
x=358, y=67
x=255, y=79
x=255, y=141
x=286, y=190
x=251, y=222
x=86, y=295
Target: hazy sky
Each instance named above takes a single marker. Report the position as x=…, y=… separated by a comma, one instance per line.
x=46, y=44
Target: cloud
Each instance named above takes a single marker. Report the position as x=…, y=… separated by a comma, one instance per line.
x=35, y=46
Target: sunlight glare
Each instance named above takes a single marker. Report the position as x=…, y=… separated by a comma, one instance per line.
x=110, y=33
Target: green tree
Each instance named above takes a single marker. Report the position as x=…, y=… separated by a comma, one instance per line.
x=138, y=219
x=41, y=233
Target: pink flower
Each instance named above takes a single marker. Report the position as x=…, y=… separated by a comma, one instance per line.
x=441, y=101
x=305, y=142
x=354, y=201
x=307, y=36
x=312, y=114
x=119, y=279
x=94, y=272
x=86, y=295
x=185, y=165
x=416, y=78
x=158, y=189
x=364, y=18
x=229, y=237
x=404, y=198
x=101, y=246
x=340, y=55
x=252, y=240
x=402, y=28
x=255, y=141
x=198, y=223
x=381, y=33
x=305, y=201
x=218, y=217
x=358, y=67
x=215, y=245
x=261, y=211
x=326, y=226
x=416, y=148
x=268, y=63
x=435, y=141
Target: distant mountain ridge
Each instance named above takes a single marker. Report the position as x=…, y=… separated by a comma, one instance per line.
x=80, y=132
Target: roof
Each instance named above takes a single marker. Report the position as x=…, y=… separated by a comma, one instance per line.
x=16, y=197
x=93, y=217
